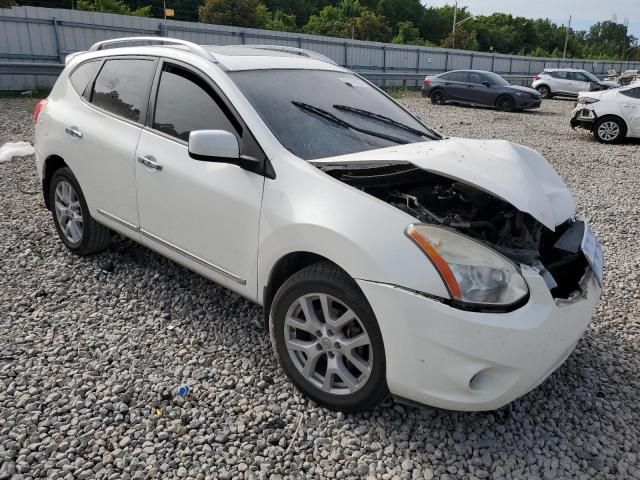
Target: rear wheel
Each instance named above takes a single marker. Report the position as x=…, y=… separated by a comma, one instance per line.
x=79, y=232
x=327, y=339
x=609, y=130
x=506, y=104
x=544, y=91
x=438, y=97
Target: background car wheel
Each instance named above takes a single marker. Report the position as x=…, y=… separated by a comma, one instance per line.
x=544, y=91
x=506, y=104
x=78, y=231
x=438, y=97
x=327, y=339
x=609, y=130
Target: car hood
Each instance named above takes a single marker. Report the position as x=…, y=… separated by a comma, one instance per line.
x=519, y=88
x=609, y=83
x=512, y=172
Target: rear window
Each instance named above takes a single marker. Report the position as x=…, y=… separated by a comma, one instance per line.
x=308, y=111
x=121, y=87
x=82, y=75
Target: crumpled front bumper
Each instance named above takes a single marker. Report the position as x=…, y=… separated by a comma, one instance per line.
x=461, y=360
x=583, y=117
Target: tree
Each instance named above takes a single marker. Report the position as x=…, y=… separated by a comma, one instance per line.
x=238, y=13
x=279, y=21
x=112, y=6
x=7, y=3
x=401, y=10
x=370, y=26
x=330, y=21
x=408, y=34
x=464, y=40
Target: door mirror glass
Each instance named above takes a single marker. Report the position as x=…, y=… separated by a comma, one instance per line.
x=214, y=146
x=486, y=83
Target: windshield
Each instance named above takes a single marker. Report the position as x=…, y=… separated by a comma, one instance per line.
x=496, y=79
x=591, y=76
x=321, y=113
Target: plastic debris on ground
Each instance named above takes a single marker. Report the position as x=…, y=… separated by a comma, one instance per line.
x=15, y=149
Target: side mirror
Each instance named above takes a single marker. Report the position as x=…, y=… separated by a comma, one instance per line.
x=214, y=146
x=486, y=83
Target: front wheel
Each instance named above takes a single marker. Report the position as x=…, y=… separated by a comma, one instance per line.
x=79, y=232
x=609, y=130
x=506, y=104
x=327, y=339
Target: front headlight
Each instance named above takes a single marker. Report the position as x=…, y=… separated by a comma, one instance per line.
x=472, y=272
x=587, y=100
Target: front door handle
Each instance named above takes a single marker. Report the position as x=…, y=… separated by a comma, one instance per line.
x=149, y=162
x=74, y=132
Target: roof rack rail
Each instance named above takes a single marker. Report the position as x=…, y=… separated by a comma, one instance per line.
x=192, y=47
x=297, y=51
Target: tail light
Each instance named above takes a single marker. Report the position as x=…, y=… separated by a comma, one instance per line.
x=537, y=77
x=38, y=108
x=427, y=81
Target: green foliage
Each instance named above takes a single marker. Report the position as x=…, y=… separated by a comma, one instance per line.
x=401, y=10
x=279, y=20
x=464, y=40
x=112, y=6
x=240, y=13
x=329, y=21
x=370, y=26
x=7, y=3
x=408, y=34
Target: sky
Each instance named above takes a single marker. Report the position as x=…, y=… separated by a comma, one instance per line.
x=585, y=12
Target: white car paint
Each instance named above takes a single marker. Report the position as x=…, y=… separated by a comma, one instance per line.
x=232, y=226
x=568, y=81
x=623, y=103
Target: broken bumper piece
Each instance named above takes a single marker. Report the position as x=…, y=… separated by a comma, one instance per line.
x=449, y=358
x=583, y=118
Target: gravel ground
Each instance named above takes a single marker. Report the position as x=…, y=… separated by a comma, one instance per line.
x=94, y=348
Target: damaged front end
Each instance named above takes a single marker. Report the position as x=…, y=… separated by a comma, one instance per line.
x=440, y=201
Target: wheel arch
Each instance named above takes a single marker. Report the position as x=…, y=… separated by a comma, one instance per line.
x=505, y=95
x=613, y=116
x=284, y=268
x=52, y=164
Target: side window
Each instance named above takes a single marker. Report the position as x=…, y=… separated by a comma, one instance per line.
x=185, y=103
x=632, y=92
x=445, y=76
x=580, y=77
x=562, y=75
x=475, y=77
x=458, y=76
x=83, y=75
x=121, y=87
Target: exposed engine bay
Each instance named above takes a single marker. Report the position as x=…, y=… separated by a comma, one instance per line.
x=438, y=200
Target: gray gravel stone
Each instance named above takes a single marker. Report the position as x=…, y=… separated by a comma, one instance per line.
x=94, y=348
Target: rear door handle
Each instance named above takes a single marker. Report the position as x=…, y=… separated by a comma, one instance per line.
x=149, y=162
x=74, y=132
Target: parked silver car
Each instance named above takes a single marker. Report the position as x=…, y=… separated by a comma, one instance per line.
x=568, y=82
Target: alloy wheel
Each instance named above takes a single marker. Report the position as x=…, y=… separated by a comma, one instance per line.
x=69, y=212
x=608, y=131
x=328, y=344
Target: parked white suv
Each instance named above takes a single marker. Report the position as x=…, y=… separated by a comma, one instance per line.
x=568, y=82
x=388, y=259
x=610, y=115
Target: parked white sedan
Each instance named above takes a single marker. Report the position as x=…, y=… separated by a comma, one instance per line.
x=610, y=115
x=388, y=259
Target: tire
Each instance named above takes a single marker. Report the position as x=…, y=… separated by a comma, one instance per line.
x=506, y=104
x=544, y=91
x=357, y=381
x=438, y=97
x=609, y=130
x=85, y=236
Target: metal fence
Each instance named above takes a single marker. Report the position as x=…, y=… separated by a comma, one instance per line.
x=34, y=42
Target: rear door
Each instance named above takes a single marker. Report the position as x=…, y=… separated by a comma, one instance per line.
x=106, y=131
x=202, y=214
x=455, y=85
x=631, y=109
x=561, y=83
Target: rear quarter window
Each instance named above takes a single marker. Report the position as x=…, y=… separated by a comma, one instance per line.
x=83, y=75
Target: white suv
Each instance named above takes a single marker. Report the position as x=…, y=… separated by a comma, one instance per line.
x=388, y=259
x=568, y=82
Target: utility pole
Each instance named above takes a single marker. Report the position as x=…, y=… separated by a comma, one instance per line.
x=164, y=8
x=453, y=33
x=566, y=39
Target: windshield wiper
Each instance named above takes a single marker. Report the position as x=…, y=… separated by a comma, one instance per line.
x=338, y=121
x=385, y=119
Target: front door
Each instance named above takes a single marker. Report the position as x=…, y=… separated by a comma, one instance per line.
x=202, y=214
x=579, y=82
